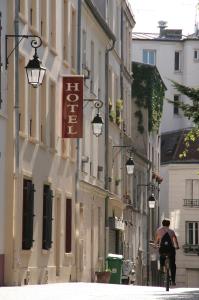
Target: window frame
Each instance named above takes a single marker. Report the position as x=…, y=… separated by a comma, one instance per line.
x=178, y=61
x=195, y=232
x=27, y=214
x=148, y=53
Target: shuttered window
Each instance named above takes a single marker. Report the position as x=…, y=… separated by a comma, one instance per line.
x=68, y=244
x=47, y=218
x=28, y=214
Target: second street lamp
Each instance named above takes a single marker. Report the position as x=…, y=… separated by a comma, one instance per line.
x=97, y=124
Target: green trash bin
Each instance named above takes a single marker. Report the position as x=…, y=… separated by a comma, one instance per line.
x=114, y=263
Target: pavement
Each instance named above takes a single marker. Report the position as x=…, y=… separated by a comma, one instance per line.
x=95, y=291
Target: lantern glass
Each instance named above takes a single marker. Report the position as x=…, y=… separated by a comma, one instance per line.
x=151, y=201
x=130, y=166
x=97, y=124
x=35, y=72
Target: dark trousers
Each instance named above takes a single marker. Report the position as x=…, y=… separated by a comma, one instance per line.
x=172, y=261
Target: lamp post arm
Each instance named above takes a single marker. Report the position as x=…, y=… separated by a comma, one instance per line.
x=34, y=43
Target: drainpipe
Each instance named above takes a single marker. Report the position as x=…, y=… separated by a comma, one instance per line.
x=16, y=22
x=77, y=146
x=16, y=140
x=106, y=240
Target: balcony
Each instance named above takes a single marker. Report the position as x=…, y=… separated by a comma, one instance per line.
x=191, y=202
x=191, y=249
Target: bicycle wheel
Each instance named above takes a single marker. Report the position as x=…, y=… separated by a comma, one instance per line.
x=167, y=274
x=167, y=280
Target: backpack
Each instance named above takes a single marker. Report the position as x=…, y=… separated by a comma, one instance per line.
x=165, y=244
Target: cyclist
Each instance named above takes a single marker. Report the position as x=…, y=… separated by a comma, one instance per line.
x=173, y=245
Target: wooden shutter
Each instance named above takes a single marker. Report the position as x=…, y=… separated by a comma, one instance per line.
x=68, y=244
x=47, y=218
x=28, y=214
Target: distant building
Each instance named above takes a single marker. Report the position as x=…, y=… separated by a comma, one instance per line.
x=176, y=58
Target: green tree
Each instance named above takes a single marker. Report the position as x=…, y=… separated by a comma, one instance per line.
x=191, y=111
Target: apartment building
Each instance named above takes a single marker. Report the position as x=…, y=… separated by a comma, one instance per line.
x=176, y=58
x=40, y=164
x=3, y=122
x=61, y=194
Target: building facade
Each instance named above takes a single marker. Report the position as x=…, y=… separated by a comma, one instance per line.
x=176, y=59
x=61, y=194
x=3, y=123
x=40, y=165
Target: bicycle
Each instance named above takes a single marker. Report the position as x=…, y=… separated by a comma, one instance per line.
x=166, y=272
x=166, y=278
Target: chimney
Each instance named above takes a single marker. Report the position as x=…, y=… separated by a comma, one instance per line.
x=162, y=25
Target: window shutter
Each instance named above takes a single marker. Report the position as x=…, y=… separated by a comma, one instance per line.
x=47, y=218
x=28, y=215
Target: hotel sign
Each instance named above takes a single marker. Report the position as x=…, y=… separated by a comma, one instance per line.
x=72, y=107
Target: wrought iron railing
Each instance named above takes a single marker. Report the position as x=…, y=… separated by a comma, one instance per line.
x=191, y=249
x=191, y=202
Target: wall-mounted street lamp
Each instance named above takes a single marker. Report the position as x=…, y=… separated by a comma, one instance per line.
x=130, y=166
x=34, y=70
x=129, y=163
x=97, y=122
x=151, y=201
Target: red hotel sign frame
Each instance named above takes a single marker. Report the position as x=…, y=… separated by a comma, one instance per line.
x=72, y=107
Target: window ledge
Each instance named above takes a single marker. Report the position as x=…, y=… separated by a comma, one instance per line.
x=52, y=150
x=22, y=134
x=42, y=146
x=53, y=50
x=23, y=18
x=26, y=252
x=66, y=64
x=45, y=252
x=33, y=140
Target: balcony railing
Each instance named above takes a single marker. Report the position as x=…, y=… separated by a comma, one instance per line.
x=191, y=249
x=191, y=202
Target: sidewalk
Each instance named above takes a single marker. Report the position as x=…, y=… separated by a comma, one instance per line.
x=94, y=291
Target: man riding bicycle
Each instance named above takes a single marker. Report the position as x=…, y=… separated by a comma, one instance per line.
x=167, y=241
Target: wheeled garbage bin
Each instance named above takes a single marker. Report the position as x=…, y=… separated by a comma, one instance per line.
x=114, y=263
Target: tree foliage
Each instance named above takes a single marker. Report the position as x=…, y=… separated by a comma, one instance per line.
x=191, y=111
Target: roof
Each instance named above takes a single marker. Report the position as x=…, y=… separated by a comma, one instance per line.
x=172, y=145
x=166, y=35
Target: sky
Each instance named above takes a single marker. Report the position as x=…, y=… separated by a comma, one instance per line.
x=179, y=14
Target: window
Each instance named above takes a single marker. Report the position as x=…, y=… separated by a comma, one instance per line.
x=65, y=30
x=99, y=75
x=52, y=112
x=32, y=13
x=149, y=57
x=22, y=106
x=196, y=54
x=92, y=61
x=192, y=233
x=52, y=24
x=47, y=218
x=177, y=61
x=42, y=103
x=28, y=214
x=22, y=7
x=32, y=112
x=43, y=15
x=192, y=189
x=73, y=38
x=84, y=48
x=175, y=105
x=68, y=243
